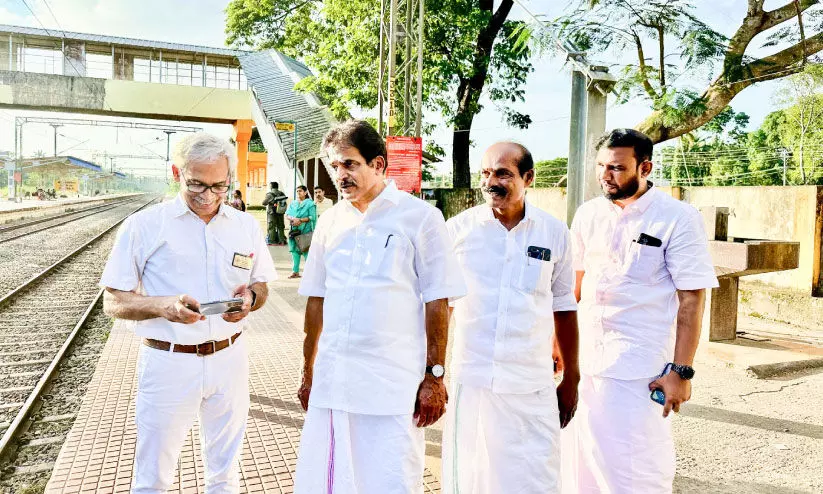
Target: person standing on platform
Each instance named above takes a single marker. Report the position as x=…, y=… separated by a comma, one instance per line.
x=379, y=276
x=502, y=433
x=166, y=261
x=642, y=269
x=275, y=202
x=237, y=201
x=323, y=203
x=302, y=216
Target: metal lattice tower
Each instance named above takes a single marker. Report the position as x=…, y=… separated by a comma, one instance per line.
x=401, y=67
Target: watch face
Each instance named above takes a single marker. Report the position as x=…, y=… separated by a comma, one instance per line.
x=685, y=371
x=438, y=370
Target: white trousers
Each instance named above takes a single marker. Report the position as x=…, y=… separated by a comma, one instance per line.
x=349, y=453
x=618, y=441
x=173, y=389
x=501, y=443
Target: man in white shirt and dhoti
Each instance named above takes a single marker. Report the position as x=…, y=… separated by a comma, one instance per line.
x=166, y=261
x=643, y=265
x=502, y=429
x=379, y=276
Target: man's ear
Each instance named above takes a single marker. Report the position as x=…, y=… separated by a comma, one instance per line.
x=175, y=172
x=528, y=177
x=380, y=164
x=646, y=168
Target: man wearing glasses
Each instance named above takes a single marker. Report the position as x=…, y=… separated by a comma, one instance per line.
x=379, y=276
x=167, y=261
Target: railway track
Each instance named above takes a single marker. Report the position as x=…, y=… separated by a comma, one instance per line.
x=24, y=228
x=51, y=331
x=22, y=258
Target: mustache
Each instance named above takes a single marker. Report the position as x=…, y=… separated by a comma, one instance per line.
x=494, y=189
x=347, y=183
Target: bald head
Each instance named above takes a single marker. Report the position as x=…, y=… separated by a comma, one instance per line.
x=510, y=153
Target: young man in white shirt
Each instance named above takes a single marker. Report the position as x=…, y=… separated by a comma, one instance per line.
x=502, y=429
x=322, y=202
x=643, y=266
x=166, y=261
x=379, y=276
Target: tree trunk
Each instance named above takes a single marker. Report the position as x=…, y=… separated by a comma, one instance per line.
x=800, y=156
x=469, y=90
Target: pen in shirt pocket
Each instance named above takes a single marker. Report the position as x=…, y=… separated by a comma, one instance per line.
x=387, y=240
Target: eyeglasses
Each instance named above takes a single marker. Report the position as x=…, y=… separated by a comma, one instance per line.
x=199, y=188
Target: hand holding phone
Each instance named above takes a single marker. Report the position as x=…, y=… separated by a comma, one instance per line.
x=221, y=307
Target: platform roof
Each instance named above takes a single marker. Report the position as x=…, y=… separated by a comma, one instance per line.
x=69, y=166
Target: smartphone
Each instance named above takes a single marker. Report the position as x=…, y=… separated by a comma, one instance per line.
x=658, y=396
x=221, y=306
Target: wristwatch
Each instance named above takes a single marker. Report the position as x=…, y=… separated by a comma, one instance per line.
x=685, y=372
x=436, y=370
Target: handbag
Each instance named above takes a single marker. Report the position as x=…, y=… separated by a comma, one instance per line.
x=303, y=241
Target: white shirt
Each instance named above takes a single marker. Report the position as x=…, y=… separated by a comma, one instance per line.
x=376, y=271
x=168, y=250
x=505, y=325
x=324, y=205
x=629, y=302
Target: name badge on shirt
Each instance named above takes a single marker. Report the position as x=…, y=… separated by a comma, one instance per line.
x=242, y=261
x=540, y=253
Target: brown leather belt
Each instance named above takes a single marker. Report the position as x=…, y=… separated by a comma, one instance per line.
x=201, y=349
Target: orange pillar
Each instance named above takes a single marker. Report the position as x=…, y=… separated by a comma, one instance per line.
x=242, y=134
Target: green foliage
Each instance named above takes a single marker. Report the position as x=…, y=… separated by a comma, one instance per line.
x=339, y=40
x=550, y=173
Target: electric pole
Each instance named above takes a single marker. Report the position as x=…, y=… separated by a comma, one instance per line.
x=54, y=126
x=784, y=154
x=168, y=149
x=401, y=67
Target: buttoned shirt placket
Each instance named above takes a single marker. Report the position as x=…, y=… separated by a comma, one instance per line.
x=504, y=290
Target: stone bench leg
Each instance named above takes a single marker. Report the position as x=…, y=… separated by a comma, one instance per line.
x=720, y=315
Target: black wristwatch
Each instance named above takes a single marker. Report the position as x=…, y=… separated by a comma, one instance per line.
x=685, y=372
x=436, y=370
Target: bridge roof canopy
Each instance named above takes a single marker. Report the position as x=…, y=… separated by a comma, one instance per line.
x=67, y=166
x=104, y=42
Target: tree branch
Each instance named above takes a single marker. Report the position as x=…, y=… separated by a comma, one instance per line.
x=757, y=21
x=784, y=13
x=660, y=42
x=644, y=68
x=783, y=60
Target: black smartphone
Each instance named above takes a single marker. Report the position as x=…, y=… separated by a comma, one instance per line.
x=644, y=239
x=541, y=253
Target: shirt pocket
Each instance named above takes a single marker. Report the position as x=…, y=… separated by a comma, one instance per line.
x=386, y=258
x=535, y=276
x=230, y=274
x=643, y=263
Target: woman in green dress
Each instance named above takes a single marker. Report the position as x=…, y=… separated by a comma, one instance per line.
x=302, y=215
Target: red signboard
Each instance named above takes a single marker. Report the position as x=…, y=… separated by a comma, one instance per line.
x=405, y=162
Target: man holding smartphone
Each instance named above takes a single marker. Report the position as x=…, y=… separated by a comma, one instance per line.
x=166, y=261
x=379, y=276
x=502, y=431
x=643, y=266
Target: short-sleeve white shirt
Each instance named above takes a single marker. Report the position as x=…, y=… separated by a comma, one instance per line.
x=375, y=271
x=628, y=304
x=505, y=324
x=168, y=250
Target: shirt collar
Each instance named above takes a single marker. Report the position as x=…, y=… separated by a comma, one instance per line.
x=179, y=207
x=640, y=205
x=390, y=193
x=488, y=213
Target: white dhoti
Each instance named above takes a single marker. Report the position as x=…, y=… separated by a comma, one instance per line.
x=349, y=453
x=618, y=441
x=499, y=443
x=173, y=389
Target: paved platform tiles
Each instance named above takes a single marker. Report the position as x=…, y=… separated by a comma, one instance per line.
x=98, y=455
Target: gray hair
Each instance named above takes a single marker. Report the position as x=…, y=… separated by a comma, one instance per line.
x=204, y=148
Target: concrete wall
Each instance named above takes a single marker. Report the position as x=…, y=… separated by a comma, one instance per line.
x=123, y=98
x=770, y=213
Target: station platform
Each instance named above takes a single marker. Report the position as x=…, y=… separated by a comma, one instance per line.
x=98, y=454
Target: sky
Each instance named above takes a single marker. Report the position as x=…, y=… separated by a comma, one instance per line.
x=201, y=22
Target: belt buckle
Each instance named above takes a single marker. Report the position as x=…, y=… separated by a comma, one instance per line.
x=213, y=344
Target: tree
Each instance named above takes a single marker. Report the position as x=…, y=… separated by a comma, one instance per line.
x=617, y=26
x=471, y=49
x=550, y=173
x=805, y=114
